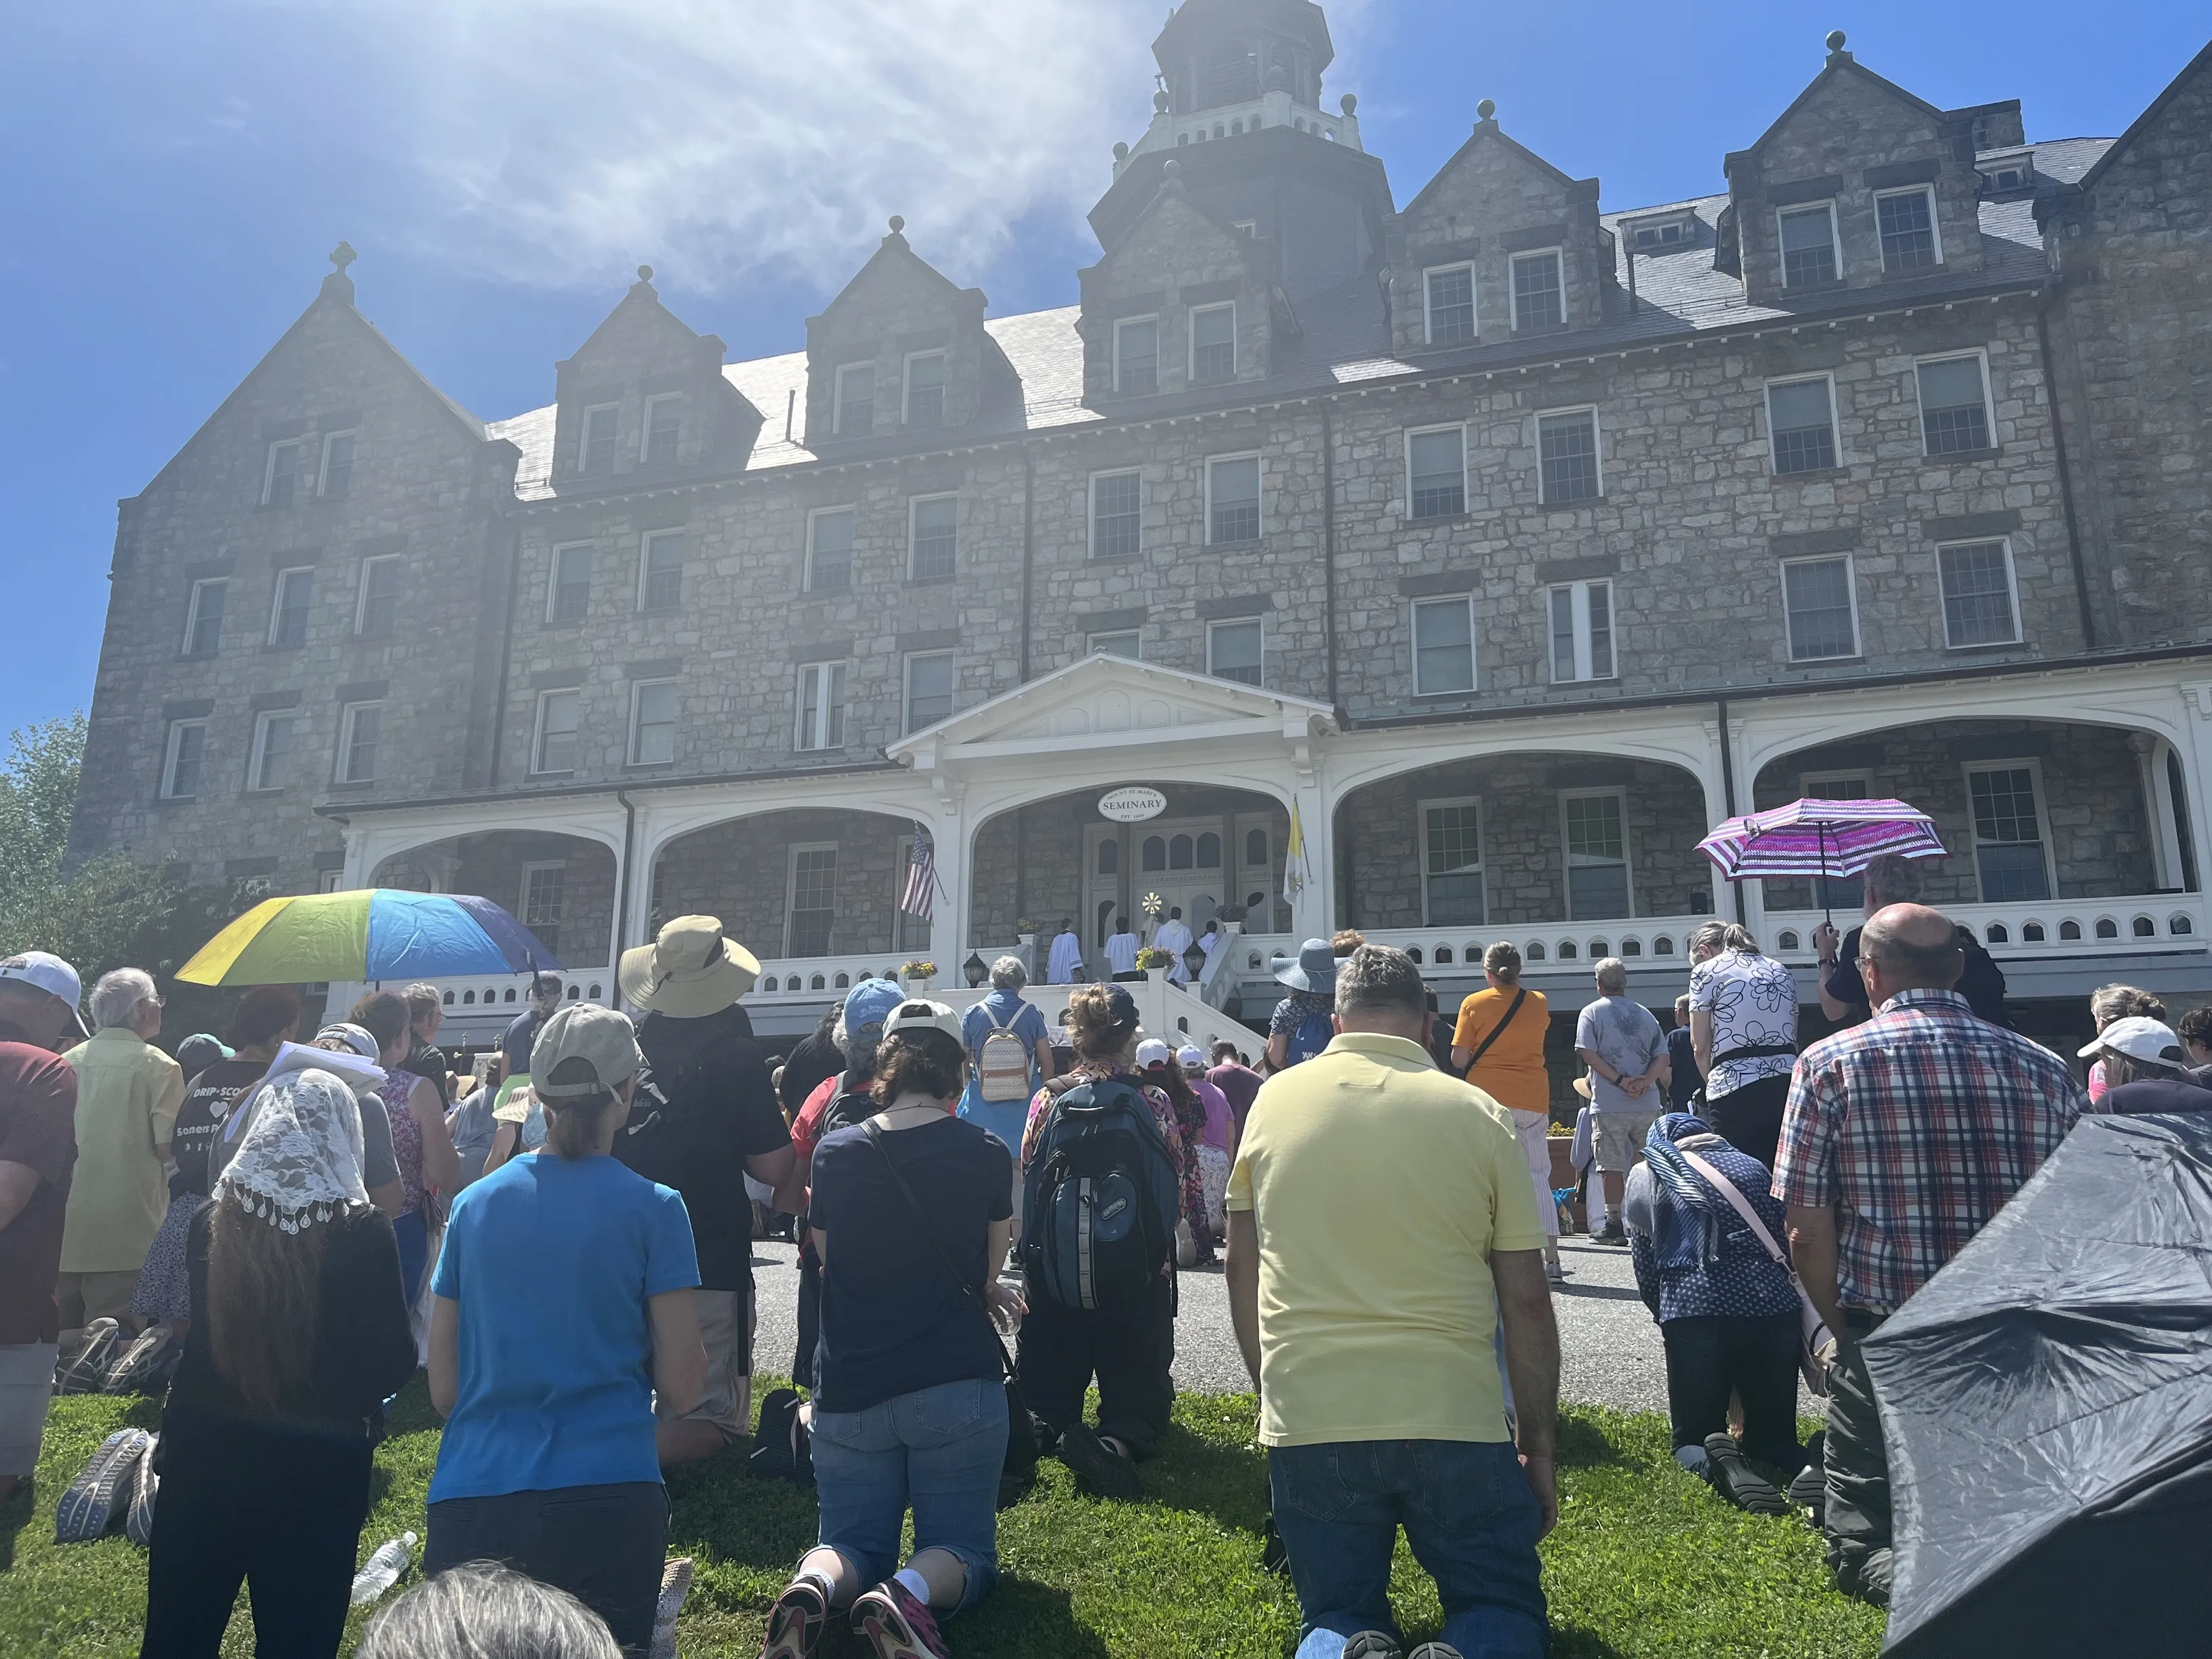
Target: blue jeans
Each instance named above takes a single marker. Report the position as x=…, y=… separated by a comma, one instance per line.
x=1467, y=1513
x=939, y=1449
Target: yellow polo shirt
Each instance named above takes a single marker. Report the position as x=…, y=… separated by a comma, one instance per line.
x=1380, y=1185
x=127, y=1096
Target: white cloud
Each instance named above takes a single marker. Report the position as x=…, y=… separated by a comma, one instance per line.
x=560, y=144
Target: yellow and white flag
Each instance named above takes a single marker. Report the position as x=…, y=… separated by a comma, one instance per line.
x=1295, y=871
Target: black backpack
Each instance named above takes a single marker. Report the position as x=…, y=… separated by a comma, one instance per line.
x=1100, y=1198
x=1982, y=982
x=847, y=1109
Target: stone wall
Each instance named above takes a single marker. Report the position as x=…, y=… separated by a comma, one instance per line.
x=491, y=866
x=741, y=872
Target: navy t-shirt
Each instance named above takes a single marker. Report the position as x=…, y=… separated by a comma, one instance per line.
x=893, y=1319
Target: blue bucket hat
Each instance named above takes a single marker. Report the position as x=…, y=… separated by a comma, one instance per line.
x=870, y=1002
x=1314, y=970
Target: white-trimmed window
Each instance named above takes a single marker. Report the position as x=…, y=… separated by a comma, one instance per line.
x=1539, y=299
x=1582, y=631
x=287, y=614
x=829, y=550
x=376, y=604
x=1820, y=599
x=1981, y=605
x=1117, y=500
x=1448, y=304
x=184, y=760
x=660, y=572
x=1436, y=472
x=544, y=896
x=334, y=479
x=1594, y=828
x=821, y=723
x=1117, y=643
x=1232, y=499
x=568, y=595
x=652, y=723
x=1237, y=650
x=361, y=729
x=275, y=748
x=1137, y=355
x=925, y=389
x=1451, y=863
x=2012, y=831
x=1907, y=219
x=1213, y=345
x=1443, y=646
x=933, y=538
x=930, y=677
x=331, y=881
x=855, y=412
x=1845, y=893
x=203, y=609
x=1801, y=424
x=1810, y=253
x=1954, y=412
x=595, y=443
x=663, y=428
x=1567, y=456
x=810, y=899
x=280, y=479
x=560, y=721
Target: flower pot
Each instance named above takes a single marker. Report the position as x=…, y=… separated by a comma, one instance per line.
x=917, y=987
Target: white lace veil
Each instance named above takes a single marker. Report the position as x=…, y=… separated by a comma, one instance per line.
x=300, y=1161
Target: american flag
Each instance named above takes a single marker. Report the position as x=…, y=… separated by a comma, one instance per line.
x=921, y=878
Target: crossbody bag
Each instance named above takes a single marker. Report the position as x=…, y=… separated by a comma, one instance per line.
x=1816, y=1344
x=1018, y=1472
x=1496, y=1031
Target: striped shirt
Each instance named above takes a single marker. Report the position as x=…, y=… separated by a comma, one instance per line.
x=1918, y=1126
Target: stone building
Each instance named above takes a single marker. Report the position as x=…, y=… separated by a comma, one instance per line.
x=1500, y=543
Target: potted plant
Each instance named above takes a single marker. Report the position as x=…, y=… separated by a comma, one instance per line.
x=918, y=973
x=1152, y=956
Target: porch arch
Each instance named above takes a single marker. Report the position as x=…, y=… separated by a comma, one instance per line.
x=560, y=886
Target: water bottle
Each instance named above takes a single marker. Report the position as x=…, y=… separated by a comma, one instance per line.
x=383, y=1569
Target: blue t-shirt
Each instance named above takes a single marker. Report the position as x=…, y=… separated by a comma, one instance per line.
x=1004, y=1118
x=551, y=1261
x=893, y=1318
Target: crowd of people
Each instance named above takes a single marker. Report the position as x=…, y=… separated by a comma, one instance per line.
x=991, y=1211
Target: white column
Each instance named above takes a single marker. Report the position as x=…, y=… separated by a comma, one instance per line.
x=948, y=931
x=2197, y=772
x=1313, y=912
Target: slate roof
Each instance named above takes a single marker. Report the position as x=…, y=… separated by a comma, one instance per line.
x=1344, y=336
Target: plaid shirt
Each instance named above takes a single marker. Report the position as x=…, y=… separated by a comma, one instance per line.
x=1918, y=1126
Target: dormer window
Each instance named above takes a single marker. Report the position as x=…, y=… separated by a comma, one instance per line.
x=855, y=415
x=1538, y=300
x=1213, y=345
x=595, y=455
x=925, y=389
x=664, y=423
x=1809, y=255
x=1907, y=220
x=1137, y=355
x=1661, y=236
x=1449, y=297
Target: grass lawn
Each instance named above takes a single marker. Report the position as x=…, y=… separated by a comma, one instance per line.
x=1645, y=1562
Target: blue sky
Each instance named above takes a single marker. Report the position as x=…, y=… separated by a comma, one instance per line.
x=178, y=175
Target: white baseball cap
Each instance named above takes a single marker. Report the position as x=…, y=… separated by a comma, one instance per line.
x=1188, y=1056
x=51, y=975
x=920, y=1014
x=1152, y=1052
x=2139, y=1039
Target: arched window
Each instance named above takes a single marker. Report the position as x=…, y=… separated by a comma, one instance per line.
x=2032, y=933
x=2069, y=930
x=448, y=998
x=1179, y=850
x=2107, y=928
x=1444, y=955
x=468, y=999
x=2178, y=924
x=1110, y=857
x=1566, y=949
x=1535, y=952
x=510, y=993
x=1662, y=946
x=843, y=981
x=1155, y=853
x=768, y=984
x=817, y=983
x=1413, y=952
x=1631, y=947
x=1255, y=849
x=1999, y=934
x=1209, y=851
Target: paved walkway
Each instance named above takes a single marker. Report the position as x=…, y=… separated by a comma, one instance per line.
x=1609, y=1346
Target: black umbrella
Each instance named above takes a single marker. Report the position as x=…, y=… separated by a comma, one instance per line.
x=2046, y=1401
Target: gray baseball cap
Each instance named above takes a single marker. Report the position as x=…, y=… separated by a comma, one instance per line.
x=582, y=1050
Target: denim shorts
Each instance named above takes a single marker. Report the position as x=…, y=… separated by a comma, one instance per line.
x=939, y=1451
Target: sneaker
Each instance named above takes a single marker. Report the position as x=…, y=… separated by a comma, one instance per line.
x=138, y=1524
x=1808, y=1487
x=1612, y=1235
x=1735, y=1479
x=675, y=1585
x=139, y=1368
x=1274, y=1554
x=1372, y=1644
x=897, y=1627
x=1436, y=1650
x=88, y=1365
x=795, y=1623
x=1555, y=1272
x=1098, y=1468
x=88, y=1508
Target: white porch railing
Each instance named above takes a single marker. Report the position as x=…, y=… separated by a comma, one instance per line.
x=478, y=1007
x=2141, y=924
x=1543, y=946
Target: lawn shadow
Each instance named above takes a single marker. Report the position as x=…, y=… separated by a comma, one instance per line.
x=16, y=1512
x=1202, y=1476
x=411, y=1411
x=1568, y=1643
x=1021, y=1620
x=739, y=1517
x=1579, y=1443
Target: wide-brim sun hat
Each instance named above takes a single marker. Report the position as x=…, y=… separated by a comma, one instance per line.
x=688, y=972
x=1314, y=970
x=1583, y=1088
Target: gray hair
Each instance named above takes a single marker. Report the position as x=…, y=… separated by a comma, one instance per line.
x=116, y=998
x=2110, y=1002
x=1377, y=979
x=480, y=1610
x=1889, y=879
x=1009, y=974
x=858, y=1047
x=1722, y=936
x=1612, y=976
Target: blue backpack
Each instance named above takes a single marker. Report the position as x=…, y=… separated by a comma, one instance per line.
x=1099, y=1200
x=1314, y=1033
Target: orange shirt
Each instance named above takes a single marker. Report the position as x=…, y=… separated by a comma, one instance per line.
x=1511, y=1072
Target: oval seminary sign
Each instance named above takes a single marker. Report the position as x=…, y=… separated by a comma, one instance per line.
x=1131, y=805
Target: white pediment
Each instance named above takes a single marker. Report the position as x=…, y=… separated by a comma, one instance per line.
x=1105, y=701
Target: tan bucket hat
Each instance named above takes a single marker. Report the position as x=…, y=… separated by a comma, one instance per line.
x=690, y=971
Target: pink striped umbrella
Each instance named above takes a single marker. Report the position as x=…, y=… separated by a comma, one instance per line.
x=1821, y=838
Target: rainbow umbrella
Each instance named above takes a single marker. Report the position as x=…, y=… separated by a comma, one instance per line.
x=375, y=933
